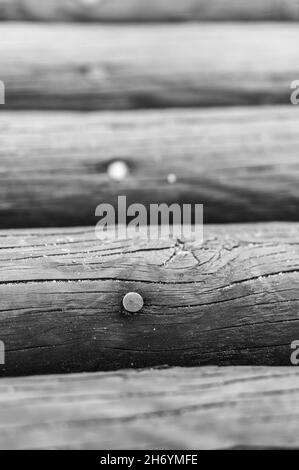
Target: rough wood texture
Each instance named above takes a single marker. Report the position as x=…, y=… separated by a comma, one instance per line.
x=231, y=300
x=201, y=408
x=149, y=10
x=242, y=164
x=104, y=67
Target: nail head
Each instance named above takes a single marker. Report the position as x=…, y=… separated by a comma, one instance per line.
x=133, y=302
x=118, y=170
x=171, y=178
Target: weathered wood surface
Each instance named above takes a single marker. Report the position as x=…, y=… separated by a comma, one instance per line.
x=196, y=408
x=107, y=67
x=149, y=10
x=231, y=300
x=242, y=164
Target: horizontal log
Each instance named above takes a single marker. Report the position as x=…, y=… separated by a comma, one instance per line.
x=204, y=408
x=63, y=66
x=242, y=164
x=149, y=10
x=231, y=300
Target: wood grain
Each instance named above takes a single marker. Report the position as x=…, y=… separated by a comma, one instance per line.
x=242, y=164
x=149, y=10
x=66, y=66
x=200, y=408
x=232, y=300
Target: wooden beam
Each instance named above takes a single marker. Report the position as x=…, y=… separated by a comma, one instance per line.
x=242, y=164
x=63, y=66
x=205, y=408
x=149, y=10
x=231, y=300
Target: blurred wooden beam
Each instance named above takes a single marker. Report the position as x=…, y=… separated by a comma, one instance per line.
x=63, y=66
x=232, y=300
x=149, y=10
x=205, y=408
x=241, y=163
